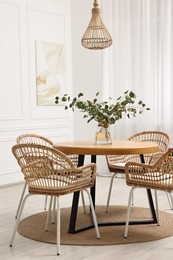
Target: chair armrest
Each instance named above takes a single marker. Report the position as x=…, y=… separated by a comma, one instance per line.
x=45, y=172
x=158, y=175
x=156, y=156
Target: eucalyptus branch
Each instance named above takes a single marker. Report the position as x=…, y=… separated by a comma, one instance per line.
x=105, y=113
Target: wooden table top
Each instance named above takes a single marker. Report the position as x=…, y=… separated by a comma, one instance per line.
x=119, y=147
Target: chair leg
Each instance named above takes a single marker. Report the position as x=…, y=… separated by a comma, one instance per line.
x=48, y=213
x=132, y=198
x=170, y=194
x=53, y=211
x=45, y=202
x=21, y=198
x=110, y=190
x=53, y=199
x=170, y=199
x=93, y=214
x=58, y=226
x=128, y=212
x=18, y=219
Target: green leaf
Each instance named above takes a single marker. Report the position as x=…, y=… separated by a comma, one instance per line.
x=105, y=112
x=64, y=99
x=132, y=94
x=80, y=95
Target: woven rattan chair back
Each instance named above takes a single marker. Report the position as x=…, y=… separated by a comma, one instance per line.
x=38, y=139
x=34, y=139
x=159, y=137
x=158, y=176
x=26, y=153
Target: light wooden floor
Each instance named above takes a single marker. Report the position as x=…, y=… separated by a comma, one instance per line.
x=27, y=249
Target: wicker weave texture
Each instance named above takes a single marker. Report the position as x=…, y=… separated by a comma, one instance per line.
x=159, y=137
x=50, y=172
x=157, y=176
x=38, y=139
x=34, y=139
x=96, y=36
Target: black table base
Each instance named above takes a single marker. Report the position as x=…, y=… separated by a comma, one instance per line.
x=75, y=202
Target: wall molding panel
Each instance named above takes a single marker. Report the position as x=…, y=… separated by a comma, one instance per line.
x=12, y=117
x=11, y=62
x=40, y=31
x=30, y=21
x=33, y=127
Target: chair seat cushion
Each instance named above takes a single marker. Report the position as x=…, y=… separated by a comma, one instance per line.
x=58, y=186
x=120, y=165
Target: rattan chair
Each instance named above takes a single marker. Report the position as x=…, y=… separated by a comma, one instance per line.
x=158, y=176
x=41, y=140
x=50, y=172
x=116, y=163
x=33, y=139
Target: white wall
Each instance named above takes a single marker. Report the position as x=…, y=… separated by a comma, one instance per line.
x=86, y=73
x=21, y=23
x=85, y=64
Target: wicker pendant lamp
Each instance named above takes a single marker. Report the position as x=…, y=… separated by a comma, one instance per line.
x=96, y=36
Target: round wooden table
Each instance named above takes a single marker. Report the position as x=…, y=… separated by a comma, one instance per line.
x=118, y=147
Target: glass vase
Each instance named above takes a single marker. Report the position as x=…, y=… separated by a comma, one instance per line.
x=103, y=136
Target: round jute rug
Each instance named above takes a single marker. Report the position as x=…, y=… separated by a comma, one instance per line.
x=33, y=227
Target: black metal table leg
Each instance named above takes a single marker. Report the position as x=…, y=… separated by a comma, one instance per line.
x=93, y=189
x=150, y=200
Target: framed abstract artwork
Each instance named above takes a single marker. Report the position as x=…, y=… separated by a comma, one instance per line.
x=50, y=71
